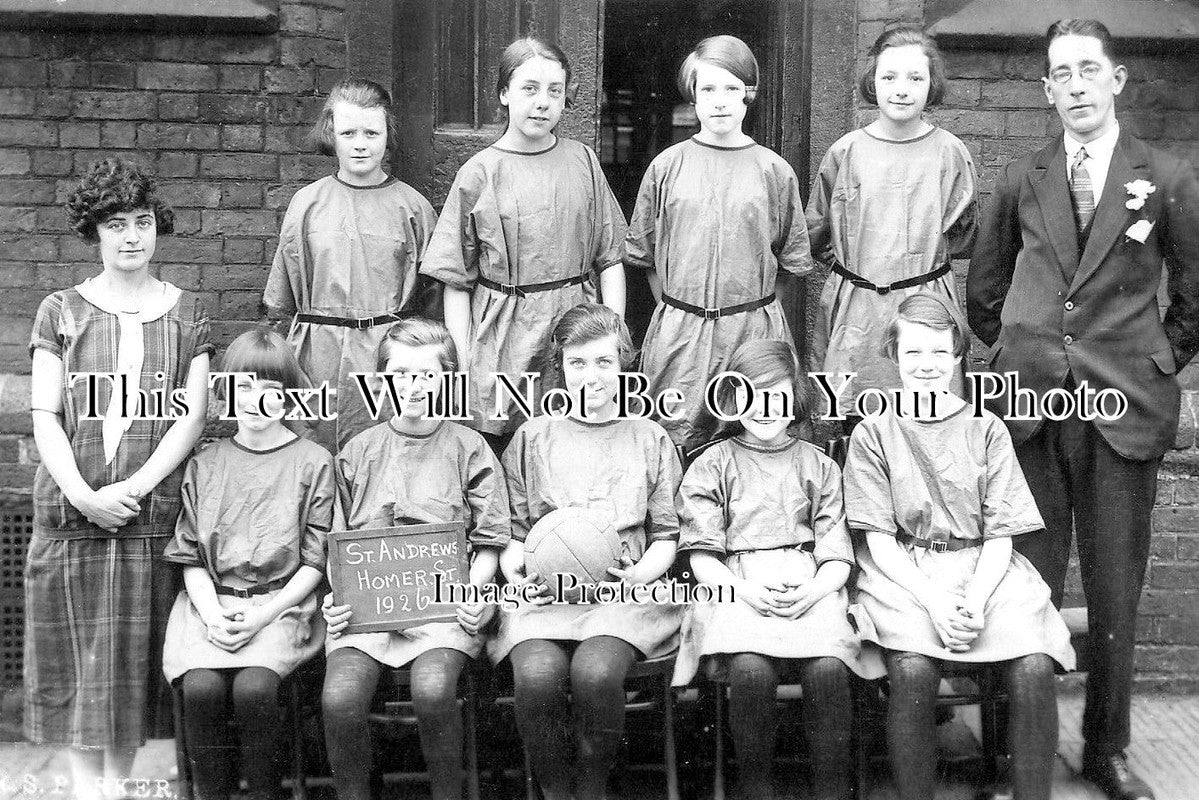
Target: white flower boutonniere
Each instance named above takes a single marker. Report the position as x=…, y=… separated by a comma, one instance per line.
x=1139, y=230
x=1139, y=190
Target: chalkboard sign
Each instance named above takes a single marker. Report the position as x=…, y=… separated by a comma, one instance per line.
x=387, y=575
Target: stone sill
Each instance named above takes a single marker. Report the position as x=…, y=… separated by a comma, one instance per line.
x=1140, y=25
x=201, y=16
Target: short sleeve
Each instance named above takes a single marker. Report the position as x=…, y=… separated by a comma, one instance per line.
x=452, y=256
x=610, y=226
x=47, y=333
x=487, y=495
x=280, y=295
x=343, y=481
x=318, y=515
x=514, y=476
x=828, y=518
x=703, y=521
x=819, y=224
x=640, y=241
x=960, y=223
x=202, y=330
x=791, y=246
x=867, y=482
x=1008, y=507
x=424, y=222
x=662, y=513
x=184, y=548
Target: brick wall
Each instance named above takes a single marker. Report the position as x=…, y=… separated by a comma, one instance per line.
x=218, y=118
x=220, y=121
x=996, y=105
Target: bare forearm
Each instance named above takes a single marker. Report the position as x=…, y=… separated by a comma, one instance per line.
x=55, y=451
x=989, y=571
x=612, y=288
x=202, y=593
x=457, y=319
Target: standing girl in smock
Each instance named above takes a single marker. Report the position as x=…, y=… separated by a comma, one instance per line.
x=412, y=469
x=251, y=540
x=762, y=515
x=348, y=253
x=530, y=229
x=717, y=216
x=106, y=494
x=569, y=661
x=935, y=494
x=893, y=203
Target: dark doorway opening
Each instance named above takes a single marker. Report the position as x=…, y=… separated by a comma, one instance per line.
x=642, y=112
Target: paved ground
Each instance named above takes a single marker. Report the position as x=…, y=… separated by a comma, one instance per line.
x=1165, y=751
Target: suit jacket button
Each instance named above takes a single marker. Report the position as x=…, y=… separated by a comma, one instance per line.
x=1069, y=305
x=1068, y=339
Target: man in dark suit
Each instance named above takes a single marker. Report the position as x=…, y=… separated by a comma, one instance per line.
x=1063, y=285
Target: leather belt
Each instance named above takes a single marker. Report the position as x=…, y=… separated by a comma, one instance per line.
x=349, y=322
x=522, y=289
x=250, y=591
x=939, y=545
x=717, y=313
x=862, y=283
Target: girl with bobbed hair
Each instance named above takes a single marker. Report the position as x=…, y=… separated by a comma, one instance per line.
x=530, y=229
x=934, y=495
x=349, y=250
x=717, y=217
x=107, y=490
x=892, y=204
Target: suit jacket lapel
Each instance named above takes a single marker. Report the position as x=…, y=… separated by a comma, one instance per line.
x=1053, y=196
x=1111, y=215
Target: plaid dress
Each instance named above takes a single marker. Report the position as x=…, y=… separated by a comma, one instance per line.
x=96, y=603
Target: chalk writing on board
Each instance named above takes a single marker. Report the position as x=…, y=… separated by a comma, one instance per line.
x=389, y=576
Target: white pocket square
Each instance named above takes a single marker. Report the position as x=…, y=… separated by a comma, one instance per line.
x=1139, y=230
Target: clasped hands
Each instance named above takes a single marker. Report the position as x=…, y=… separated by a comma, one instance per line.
x=957, y=620
x=785, y=599
x=111, y=506
x=235, y=627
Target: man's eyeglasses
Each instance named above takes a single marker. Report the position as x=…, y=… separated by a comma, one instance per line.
x=1089, y=72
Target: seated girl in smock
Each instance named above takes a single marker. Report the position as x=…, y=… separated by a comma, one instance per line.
x=251, y=539
x=762, y=514
x=412, y=469
x=569, y=661
x=935, y=495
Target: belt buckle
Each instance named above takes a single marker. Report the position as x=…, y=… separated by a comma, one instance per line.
x=939, y=546
x=882, y=290
x=711, y=313
x=244, y=594
x=510, y=290
x=362, y=324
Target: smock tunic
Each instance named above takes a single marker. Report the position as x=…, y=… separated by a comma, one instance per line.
x=251, y=517
x=716, y=224
x=886, y=211
x=517, y=219
x=386, y=477
x=96, y=603
x=772, y=514
x=951, y=478
x=353, y=252
x=625, y=470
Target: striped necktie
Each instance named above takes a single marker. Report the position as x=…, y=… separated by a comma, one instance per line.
x=1081, y=190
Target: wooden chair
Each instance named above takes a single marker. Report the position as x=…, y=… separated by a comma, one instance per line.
x=290, y=696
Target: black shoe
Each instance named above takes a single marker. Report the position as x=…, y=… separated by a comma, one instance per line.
x=1112, y=774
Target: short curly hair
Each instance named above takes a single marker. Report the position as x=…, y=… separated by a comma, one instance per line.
x=115, y=186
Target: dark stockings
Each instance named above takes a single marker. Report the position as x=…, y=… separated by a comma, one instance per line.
x=594, y=675
x=255, y=696
x=827, y=715
x=351, y=678
x=911, y=728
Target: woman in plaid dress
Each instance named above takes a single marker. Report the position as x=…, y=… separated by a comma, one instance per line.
x=106, y=495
